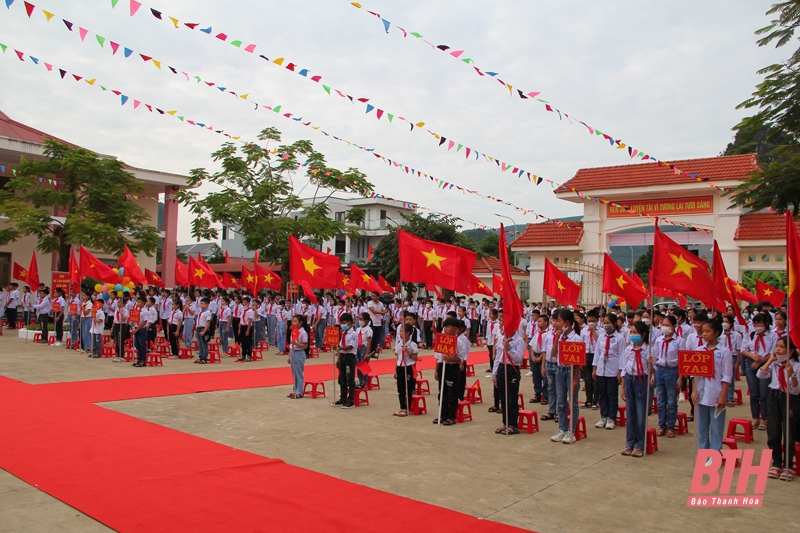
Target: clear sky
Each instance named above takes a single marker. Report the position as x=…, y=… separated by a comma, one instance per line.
x=663, y=76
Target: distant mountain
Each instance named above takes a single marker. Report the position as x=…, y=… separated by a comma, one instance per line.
x=477, y=235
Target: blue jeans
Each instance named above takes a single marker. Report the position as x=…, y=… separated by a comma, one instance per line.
x=281, y=326
x=188, y=331
x=707, y=423
x=361, y=352
x=636, y=407
x=97, y=343
x=666, y=387
x=140, y=344
x=202, y=347
x=86, y=333
x=298, y=365
x=223, y=336
x=539, y=385
x=562, y=392
x=271, y=332
x=550, y=370
x=759, y=392
x=260, y=331
x=74, y=329
x=319, y=334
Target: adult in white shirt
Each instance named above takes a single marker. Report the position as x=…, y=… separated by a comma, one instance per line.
x=12, y=302
x=376, y=311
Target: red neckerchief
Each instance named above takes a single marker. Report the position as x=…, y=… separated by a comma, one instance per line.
x=608, y=346
x=760, y=337
x=730, y=343
x=639, y=365
x=666, y=347
x=781, y=377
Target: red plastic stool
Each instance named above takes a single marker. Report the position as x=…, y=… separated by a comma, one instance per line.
x=109, y=351
x=621, y=418
x=106, y=339
x=163, y=349
x=423, y=385
x=470, y=370
x=258, y=354
x=528, y=420
x=263, y=345
x=68, y=343
x=185, y=353
x=651, y=441
x=51, y=339
x=314, y=389
x=214, y=356
x=387, y=342
x=746, y=435
x=738, y=395
x=78, y=344
x=154, y=359
x=473, y=393
x=580, y=429
x=682, y=428
x=326, y=347
x=131, y=355
x=358, y=397
x=374, y=382
x=731, y=443
x=313, y=352
x=37, y=337
x=464, y=412
x=418, y=405
x=522, y=401
x=655, y=404
x=479, y=341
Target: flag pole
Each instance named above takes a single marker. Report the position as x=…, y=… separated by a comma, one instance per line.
x=649, y=367
x=789, y=383
x=505, y=379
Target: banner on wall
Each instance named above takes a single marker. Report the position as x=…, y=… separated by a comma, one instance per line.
x=696, y=205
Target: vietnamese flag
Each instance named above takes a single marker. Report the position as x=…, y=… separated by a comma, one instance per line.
x=476, y=286
x=343, y=283
x=385, y=284
x=360, y=280
x=768, y=293
x=423, y=261
x=74, y=271
x=793, y=257
x=229, y=281
x=266, y=279
x=308, y=292
x=132, y=268
x=320, y=270
x=20, y=272
x=741, y=293
x=430, y=287
x=679, y=270
x=200, y=275
x=248, y=280
x=641, y=283
x=724, y=286
x=152, y=278
x=227, y=258
x=92, y=267
x=33, y=273
x=370, y=249
x=558, y=286
x=497, y=284
x=512, y=306
x=181, y=274
x=617, y=281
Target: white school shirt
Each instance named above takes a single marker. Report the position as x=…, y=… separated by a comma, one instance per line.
x=152, y=315
x=175, y=317
x=364, y=336
x=12, y=299
x=709, y=389
x=772, y=372
x=202, y=319
x=666, y=353
x=166, y=307
x=248, y=317
x=492, y=329
x=224, y=314
x=466, y=323
x=684, y=330
x=428, y=314
x=284, y=315
x=376, y=318
x=302, y=338
x=537, y=339
x=213, y=306
x=43, y=307
x=628, y=364
x=27, y=301
x=120, y=316
x=98, y=323
x=514, y=355
x=752, y=343
x=588, y=338
x=731, y=340
x=410, y=348
x=693, y=341
x=349, y=338
x=607, y=363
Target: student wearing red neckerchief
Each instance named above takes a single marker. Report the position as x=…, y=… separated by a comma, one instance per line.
x=756, y=348
x=636, y=370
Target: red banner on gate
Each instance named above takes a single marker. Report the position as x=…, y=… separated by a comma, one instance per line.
x=571, y=353
x=696, y=363
x=445, y=344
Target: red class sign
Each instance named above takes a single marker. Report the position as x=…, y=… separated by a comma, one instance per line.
x=571, y=353
x=445, y=344
x=696, y=363
x=60, y=280
x=331, y=336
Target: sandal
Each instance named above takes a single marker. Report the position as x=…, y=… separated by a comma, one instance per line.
x=449, y=423
x=626, y=451
x=292, y=395
x=670, y=434
x=436, y=421
x=494, y=409
x=762, y=426
x=401, y=413
x=787, y=475
x=512, y=431
x=544, y=402
x=690, y=418
x=774, y=472
x=661, y=432
x=498, y=431
x=637, y=453
x=548, y=416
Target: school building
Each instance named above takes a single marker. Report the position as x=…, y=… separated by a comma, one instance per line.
x=747, y=240
x=18, y=140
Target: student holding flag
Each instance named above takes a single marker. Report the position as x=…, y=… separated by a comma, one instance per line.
x=407, y=353
x=506, y=378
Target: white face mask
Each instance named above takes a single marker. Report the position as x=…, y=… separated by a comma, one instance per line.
x=362, y=323
x=666, y=330
x=646, y=321
x=726, y=326
x=760, y=329
x=782, y=358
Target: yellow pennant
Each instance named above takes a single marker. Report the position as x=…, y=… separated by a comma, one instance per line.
x=47, y=14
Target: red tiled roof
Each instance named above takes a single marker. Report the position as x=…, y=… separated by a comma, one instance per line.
x=16, y=130
x=491, y=265
x=715, y=169
x=762, y=225
x=550, y=234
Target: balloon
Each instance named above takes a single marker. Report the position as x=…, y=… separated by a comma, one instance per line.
x=105, y=289
x=126, y=289
x=126, y=280
x=119, y=294
x=98, y=287
x=115, y=269
x=130, y=285
x=117, y=287
x=121, y=271
x=106, y=296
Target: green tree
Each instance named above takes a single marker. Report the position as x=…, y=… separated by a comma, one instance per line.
x=489, y=246
x=91, y=194
x=777, y=98
x=216, y=258
x=775, y=278
x=643, y=265
x=255, y=192
x=386, y=259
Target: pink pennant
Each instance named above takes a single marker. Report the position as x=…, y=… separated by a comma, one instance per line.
x=135, y=7
x=48, y=66
x=534, y=94
x=114, y=47
x=634, y=152
x=316, y=78
x=19, y=55
x=450, y=145
x=457, y=53
x=222, y=36
x=380, y=113
x=468, y=151
x=547, y=106
x=83, y=33
x=136, y=103
x=250, y=48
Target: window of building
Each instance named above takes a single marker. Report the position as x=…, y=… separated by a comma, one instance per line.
x=765, y=258
x=339, y=217
x=555, y=260
x=224, y=233
x=779, y=258
x=340, y=245
x=577, y=260
x=751, y=259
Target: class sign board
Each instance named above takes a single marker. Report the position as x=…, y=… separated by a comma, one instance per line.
x=571, y=353
x=445, y=344
x=698, y=363
x=331, y=336
x=60, y=280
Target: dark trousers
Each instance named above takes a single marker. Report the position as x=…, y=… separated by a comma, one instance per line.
x=473, y=331
x=120, y=333
x=776, y=426
x=44, y=321
x=588, y=382
x=59, y=328
x=406, y=384
x=377, y=333
x=427, y=328
x=11, y=316
x=173, y=338
x=687, y=382
x=26, y=317
x=246, y=341
x=508, y=374
x=165, y=328
x=140, y=343
x=539, y=382
x=462, y=382
x=608, y=396
x=151, y=334
x=237, y=335
x=449, y=375
x=347, y=377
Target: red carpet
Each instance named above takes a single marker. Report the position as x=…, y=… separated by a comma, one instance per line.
x=133, y=475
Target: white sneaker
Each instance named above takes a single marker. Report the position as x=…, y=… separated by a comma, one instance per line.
x=569, y=438
x=529, y=374
x=57, y=344
x=610, y=423
x=681, y=397
x=558, y=437
x=601, y=424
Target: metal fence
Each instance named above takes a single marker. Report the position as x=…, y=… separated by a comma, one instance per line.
x=589, y=277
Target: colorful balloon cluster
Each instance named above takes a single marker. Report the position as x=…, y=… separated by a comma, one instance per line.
x=120, y=288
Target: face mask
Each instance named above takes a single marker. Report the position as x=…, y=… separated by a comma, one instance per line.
x=782, y=358
x=635, y=339
x=745, y=315
x=646, y=321
x=362, y=323
x=666, y=330
x=345, y=327
x=726, y=326
x=760, y=329
x=592, y=325
x=609, y=328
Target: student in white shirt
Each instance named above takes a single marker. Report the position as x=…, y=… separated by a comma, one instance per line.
x=12, y=302
x=138, y=324
x=247, y=330
x=636, y=371
x=732, y=340
x=151, y=311
x=27, y=304
x=43, y=307
x=58, y=309
x=298, y=344
x=174, y=319
x=664, y=357
x=203, y=334
x=346, y=362
x=283, y=323
x=364, y=342
x=756, y=348
x=447, y=374
x=190, y=309
x=225, y=323
x=506, y=377
x=407, y=353
x=711, y=394
x=98, y=325
x=606, y=371
x=537, y=344
x=565, y=328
